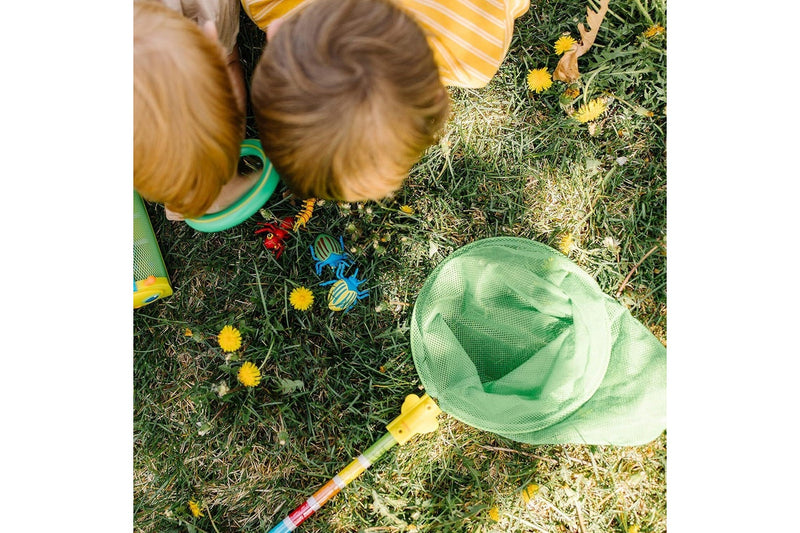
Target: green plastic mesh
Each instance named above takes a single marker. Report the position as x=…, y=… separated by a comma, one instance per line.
x=510, y=336
x=147, y=259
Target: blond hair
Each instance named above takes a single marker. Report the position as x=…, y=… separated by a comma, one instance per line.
x=347, y=96
x=187, y=128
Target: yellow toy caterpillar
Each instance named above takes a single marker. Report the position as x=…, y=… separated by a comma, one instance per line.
x=304, y=215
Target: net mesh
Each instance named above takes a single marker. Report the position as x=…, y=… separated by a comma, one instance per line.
x=512, y=337
x=147, y=260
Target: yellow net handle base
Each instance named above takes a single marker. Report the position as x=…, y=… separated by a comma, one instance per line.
x=417, y=415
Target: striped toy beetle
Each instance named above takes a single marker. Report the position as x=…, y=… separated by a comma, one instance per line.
x=344, y=293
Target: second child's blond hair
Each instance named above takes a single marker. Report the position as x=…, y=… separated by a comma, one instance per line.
x=347, y=97
x=187, y=128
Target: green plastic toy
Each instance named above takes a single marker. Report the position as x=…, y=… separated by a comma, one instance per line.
x=247, y=205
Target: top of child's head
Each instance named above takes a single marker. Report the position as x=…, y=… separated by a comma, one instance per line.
x=187, y=126
x=347, y=97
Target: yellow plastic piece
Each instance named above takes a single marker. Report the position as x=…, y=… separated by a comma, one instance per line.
x=149, y=290
x=417, y=415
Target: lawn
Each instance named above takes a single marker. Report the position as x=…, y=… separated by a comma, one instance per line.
x=511, y=162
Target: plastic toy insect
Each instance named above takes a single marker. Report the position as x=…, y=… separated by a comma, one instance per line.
x=344, y=293
x=326, y=251
x=275, y=235
x=304, y=215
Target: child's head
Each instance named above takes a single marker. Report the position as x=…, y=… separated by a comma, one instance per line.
x=187, y=128
x=347, y=96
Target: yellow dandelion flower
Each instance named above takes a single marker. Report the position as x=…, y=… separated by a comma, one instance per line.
x=633, y=529
x=249, y=375
x=565, y=243
x=564, y=44
x=652, y=31
x=494, y=513
x=195, y=509
x=590, y=111
x=407, y=209
x=301, y=298
x=539, y=80
x=529, y=492
x=187, y=332
x=229, y=339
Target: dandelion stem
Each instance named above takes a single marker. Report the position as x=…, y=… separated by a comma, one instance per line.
x=654, y=49
x=260, y=290
x=212, y=520
x=190, y=525
x=269, y=352
x=591, y=79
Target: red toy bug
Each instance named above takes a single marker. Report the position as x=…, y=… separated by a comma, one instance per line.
x=275, y=235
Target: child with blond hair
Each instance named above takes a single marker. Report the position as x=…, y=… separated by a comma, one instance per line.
x=188, y=105
x=348, y=94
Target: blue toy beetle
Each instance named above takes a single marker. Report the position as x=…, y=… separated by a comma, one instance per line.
x=344, y=293
x=326, y=251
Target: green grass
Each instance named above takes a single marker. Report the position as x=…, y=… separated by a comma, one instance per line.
x=510, y=163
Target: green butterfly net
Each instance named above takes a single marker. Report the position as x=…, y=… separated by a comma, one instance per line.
x=510, y=336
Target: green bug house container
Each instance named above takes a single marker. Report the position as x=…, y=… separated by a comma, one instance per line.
x=150, y=278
